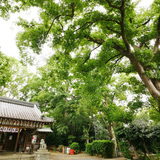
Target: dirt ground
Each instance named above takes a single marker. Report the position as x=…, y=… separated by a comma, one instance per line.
x=82, y=156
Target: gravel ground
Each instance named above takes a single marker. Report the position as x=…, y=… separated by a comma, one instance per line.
x=82, y=156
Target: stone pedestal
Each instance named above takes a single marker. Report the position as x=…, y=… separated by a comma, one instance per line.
x=42, y=154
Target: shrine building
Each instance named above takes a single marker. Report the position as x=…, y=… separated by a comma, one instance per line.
x=19, y=124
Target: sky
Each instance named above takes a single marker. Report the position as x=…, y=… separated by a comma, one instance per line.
x=8, y=31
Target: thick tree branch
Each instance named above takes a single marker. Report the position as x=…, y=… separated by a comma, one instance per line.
x=156, y=83
x=111, y=5
x=123, y=26
x=120, y=49
x=157, y=42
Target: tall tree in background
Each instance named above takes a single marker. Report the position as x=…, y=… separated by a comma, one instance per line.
x=13, y=77
x=114, y=29
x=5, y=72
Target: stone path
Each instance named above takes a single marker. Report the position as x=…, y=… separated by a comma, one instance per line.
x=82, y=156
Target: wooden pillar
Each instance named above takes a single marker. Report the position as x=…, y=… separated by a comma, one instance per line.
x=17, y=141
x=26, y=142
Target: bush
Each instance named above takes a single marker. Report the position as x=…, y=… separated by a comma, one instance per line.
x=89, y=149
x=75, y=146
x=60, y=148
x=71, y=139
x=124, y=148
x=105, y=148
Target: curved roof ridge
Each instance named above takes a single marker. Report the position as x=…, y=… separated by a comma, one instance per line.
x=18, y=102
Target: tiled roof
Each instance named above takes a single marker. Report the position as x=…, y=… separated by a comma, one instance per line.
x=16, y=109
x=47, y=130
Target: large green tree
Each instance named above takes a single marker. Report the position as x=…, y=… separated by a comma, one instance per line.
x=13, y=76
x=96, y=32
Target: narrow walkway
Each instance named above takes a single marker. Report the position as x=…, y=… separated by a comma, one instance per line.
x=82, y=156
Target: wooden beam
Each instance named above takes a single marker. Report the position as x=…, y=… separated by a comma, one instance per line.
x=26, y=142
x=17, y=141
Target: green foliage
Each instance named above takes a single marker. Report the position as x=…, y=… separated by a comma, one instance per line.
x=71, y=139
x=142, y=134
x=89, y=149
x=60, y=148
x=75, y=146
x=12, y=75
x=124, y=149
x=101, y=147
x=87, y=46
x=5, y=70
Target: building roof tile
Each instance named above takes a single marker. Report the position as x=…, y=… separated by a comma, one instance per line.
x=16, y=109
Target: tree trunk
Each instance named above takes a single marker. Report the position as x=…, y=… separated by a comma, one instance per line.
x=152, y=87
x=136, y=153
x=110, y=130
x=87, y=140
x=145, y=147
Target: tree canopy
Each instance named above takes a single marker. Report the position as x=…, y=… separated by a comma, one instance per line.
x=95, y=33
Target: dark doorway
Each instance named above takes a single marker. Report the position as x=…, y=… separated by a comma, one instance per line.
x=10, y=141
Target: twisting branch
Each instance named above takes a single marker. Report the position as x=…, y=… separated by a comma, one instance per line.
x=112, y=58
x=111, y=5
x=90, y=53
x=52, y=25
x=96, y=40
x=90, y=23
x=146, y=22
x=118, y=59
x=73, y=7
x=155, y=108
x=157, y=42
x=113, y=30
x=112, y=20
x=62, y=26
x=123, y=27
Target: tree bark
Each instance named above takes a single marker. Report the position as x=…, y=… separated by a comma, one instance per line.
x=136, y=153
x=152, y=87
x=144, y=144
x=110, y=130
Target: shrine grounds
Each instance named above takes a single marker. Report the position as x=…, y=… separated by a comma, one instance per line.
x=54, y=156
x=82, y=156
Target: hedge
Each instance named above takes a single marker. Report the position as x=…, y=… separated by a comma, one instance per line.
x=105, y=148
x=89, y=149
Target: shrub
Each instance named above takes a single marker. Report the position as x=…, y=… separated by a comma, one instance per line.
x=101, y=147
x=60, y=148
x=75, y=146
x=89, y=149
x=71, y=139
x=124, y=148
